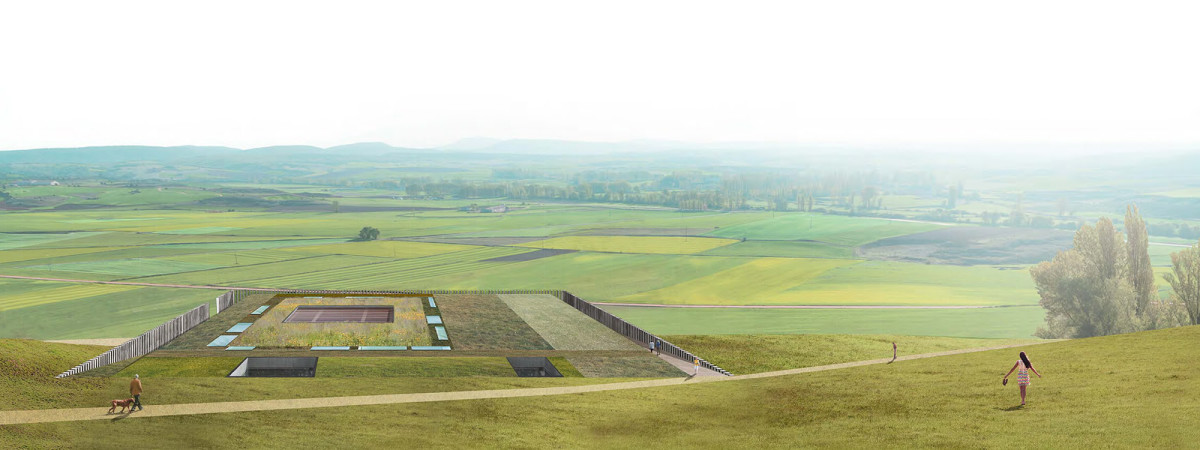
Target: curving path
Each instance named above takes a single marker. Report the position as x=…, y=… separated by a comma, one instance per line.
x=99, y=413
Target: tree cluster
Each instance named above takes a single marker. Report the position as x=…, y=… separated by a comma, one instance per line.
x=1103, y=285
x=368, y=234
x=1182, y=230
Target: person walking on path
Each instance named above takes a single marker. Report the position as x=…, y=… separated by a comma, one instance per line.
x=1022, y=367
x=893, y=352
x=696, y=367
x=135, y=389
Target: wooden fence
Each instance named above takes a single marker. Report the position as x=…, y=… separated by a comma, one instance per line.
x=635, y=333
x=146, y=343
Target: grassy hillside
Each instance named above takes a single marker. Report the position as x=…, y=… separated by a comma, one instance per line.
x=743, y=354
x=27, y=378
x=1133, y=391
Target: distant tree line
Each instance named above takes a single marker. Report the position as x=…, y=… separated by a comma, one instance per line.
x=685, y=189
x=1182, y=230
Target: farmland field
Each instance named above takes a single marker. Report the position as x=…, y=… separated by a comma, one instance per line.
x=9, y=241
x=124, y=313
x=138, y=267
x=633, y=244
x=383, y=274
x=27, y=254
x=1011, y=322
x=837, y=230
x=383, y=249
x=56, y=294
x=784, y=249
x=254, y=271
x=617, y=254
x=590, y=275
x=755, y=281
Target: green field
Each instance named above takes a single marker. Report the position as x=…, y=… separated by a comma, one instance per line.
x=229, y=275
x=589, y=275
x=670, y=245
x=9, y=241
x=135, y=267
x=384, y=249
x=838, y=230
x=1009, y=322
x=784, y=249
x=786, y=259
x=28, y=254
x=755, y=281
x=125, y=313
x=28, y=298
x=384, y=274
x=897, y=283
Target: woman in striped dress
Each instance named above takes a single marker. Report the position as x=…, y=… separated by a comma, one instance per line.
x=1022, y=367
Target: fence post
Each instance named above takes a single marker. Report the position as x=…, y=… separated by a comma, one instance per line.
x=146, y=342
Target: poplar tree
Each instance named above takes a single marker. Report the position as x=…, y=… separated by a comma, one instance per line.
x=1141, y=273
x=1185, y=280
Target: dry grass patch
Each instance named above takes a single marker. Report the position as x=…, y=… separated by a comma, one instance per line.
x=408, y=328
x=564, y=327
x=484, y=322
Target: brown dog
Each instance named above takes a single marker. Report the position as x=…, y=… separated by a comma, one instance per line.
x=122, y=403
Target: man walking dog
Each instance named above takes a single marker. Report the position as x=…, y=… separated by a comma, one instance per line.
x=135, y=389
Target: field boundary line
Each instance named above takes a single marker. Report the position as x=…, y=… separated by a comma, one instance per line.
x=637, y=305
x=98, y=412
x=131, y=283
x=659, y=305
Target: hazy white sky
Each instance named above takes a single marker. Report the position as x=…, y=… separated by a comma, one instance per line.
x=427, y=73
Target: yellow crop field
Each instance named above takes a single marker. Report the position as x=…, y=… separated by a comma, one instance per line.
x=672, y=245
x=7, y=256
x=758, y=281
x=383, y=249
x=59, y=294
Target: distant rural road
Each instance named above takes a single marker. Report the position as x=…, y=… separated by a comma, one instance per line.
x=125, y=283
x=98, y=412
x=643, y=305
x=653, y=305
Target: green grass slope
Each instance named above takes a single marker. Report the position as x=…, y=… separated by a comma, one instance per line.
x=743, y=354
x=1133, y=391
x=27, y=370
